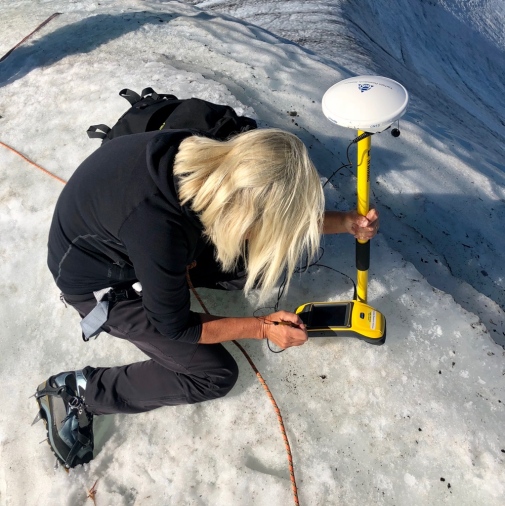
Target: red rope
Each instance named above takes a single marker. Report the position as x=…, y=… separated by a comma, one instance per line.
x=29, y=35
x=279, y=419
x=33, y=163
x=246, y=355
x=270, y=396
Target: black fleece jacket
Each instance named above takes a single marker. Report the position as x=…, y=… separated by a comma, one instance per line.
x=118, y=220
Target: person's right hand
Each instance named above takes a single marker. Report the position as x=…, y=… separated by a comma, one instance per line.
x=284, y=329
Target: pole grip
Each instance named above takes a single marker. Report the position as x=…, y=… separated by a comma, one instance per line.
x=362, y=255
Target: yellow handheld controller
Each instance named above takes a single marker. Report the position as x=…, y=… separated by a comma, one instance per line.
x=343, y=319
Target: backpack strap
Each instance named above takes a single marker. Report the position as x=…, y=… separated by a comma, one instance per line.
x=146, y=92
x=149, y=92
x=98, y=131
x=130, y=95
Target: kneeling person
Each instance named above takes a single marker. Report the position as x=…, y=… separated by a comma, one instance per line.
x=139, y=212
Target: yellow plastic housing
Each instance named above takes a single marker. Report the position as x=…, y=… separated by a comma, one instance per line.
x=361, y=321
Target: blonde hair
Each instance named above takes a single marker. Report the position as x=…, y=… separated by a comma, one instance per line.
x=258, y=195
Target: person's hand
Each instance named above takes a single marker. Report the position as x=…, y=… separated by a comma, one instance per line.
x=362, y=227
x=284, y=329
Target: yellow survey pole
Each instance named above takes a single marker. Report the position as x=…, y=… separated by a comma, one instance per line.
x=363, y=206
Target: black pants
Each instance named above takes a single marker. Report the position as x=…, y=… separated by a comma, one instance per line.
x=177, y=373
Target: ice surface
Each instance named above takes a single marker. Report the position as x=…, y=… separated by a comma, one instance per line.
x=417, y=421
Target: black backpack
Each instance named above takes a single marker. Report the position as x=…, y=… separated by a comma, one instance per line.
x=152, y=111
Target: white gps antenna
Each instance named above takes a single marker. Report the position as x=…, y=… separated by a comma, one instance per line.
x=369, y=104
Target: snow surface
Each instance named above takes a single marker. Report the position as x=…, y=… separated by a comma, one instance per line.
x=419, y=420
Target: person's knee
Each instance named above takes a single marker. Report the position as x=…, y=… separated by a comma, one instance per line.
x=230, y=380
x=218, y=382
x=224, y=379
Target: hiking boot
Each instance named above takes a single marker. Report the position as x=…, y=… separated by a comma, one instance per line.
x=69, y=425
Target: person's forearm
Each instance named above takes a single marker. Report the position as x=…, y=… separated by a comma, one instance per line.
x=333, y=222
x=216, y=329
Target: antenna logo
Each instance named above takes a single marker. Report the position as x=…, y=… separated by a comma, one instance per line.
x=365, y=87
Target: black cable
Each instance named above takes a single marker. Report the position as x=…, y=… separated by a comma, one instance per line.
x=282, y=287
x=337, y=171
x=349, y=163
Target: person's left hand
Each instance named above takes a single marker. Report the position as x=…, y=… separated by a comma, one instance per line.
x=362, y=227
